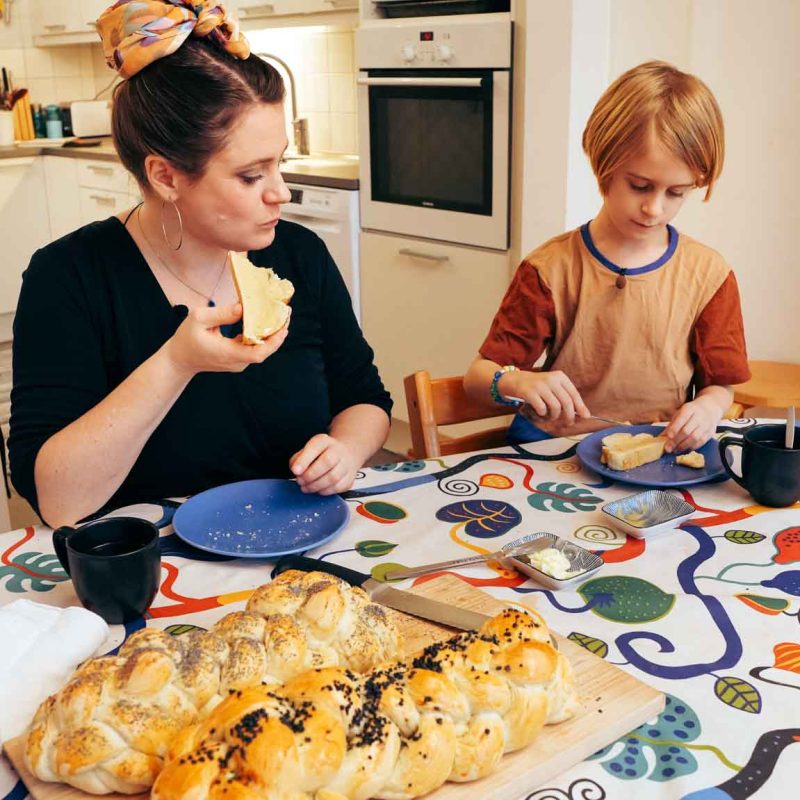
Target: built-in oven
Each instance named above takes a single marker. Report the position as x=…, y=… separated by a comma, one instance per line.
x=434, y=101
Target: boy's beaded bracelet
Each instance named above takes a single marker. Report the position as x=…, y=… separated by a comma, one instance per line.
x=495, y=392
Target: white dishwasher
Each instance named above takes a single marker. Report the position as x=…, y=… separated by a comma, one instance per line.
x=333, y=215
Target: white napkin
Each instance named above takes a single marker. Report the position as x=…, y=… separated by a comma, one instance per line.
x=41, y=646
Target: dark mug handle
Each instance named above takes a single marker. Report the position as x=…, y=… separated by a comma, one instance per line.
x=60, y=544
x=724, y=444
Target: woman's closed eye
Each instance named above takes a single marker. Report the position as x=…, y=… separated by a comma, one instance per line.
x=251, y=179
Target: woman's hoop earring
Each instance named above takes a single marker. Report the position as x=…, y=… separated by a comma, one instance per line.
x=164, y=227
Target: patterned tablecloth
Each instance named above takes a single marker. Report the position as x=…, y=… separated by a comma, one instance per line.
x=707, y=613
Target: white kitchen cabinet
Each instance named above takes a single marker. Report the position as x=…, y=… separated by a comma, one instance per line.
x=61, y=180
x=426, y=305
x=264, y=9
x=56, y=22
x=53, y=17
x=24, y=225
x=104, y=189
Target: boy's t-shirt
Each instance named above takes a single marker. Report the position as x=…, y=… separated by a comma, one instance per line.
x=633, y=353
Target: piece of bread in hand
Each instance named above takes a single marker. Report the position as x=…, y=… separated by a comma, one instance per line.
x=264, y=298
x=623, y=451
x=691, y=459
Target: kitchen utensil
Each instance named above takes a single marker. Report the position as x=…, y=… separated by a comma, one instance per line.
x=790, y=423
x=662, y=473
x=527, y=411
x=386, y=595
x=525, y=544
x=263, y=518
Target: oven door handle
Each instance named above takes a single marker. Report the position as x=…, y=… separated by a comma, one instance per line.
x=420, y=81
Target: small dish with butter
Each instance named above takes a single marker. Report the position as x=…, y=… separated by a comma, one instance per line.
x=645, y=513
x=557, y=564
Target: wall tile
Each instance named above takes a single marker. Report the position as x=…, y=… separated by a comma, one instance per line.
x=38, y=63
x=69, y=89
x=342, y=94
x=343, y=133
x=66, y=61
x=43, y=90
x=340, y=53
x=14, y=60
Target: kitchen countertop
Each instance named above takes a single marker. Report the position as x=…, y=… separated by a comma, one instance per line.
x=330, y=170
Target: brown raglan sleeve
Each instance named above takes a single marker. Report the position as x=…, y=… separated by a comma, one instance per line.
x=525, y=323
x=718, y=344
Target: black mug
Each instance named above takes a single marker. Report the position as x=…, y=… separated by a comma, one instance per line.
x=114, y=563
x=770, y=472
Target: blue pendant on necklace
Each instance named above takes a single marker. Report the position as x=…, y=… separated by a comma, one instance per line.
x=211, y=303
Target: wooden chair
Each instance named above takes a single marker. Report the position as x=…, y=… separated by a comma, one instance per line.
x=774, y=384
x=442, y=401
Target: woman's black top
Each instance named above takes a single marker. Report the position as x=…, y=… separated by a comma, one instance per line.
x=91, y=311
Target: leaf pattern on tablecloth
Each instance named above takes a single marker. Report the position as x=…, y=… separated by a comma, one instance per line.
x=374, y=548
x=622, y=598
x=744, y=537
x=483, y=519
x=36, y=572
x=772, y=606
x=675, y=726
x=564, y=497
x=590, y=643
x=738, y=694
x=381, y=511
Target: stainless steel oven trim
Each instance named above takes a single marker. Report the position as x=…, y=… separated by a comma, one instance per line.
x=419, y=81
x=431, y=223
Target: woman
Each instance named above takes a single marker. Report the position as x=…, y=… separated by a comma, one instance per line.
x=125, y=388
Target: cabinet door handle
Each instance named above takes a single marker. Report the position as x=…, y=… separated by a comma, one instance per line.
x=405, y=251
x=58, y=27
x=256, y=11
x=103, y=199
x=101, y=170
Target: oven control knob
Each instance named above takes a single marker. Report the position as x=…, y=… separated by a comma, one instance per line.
x=408, y=52
x=444, y=52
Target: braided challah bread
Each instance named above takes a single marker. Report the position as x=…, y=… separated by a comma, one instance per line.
x=397, y=732
x=109, y=728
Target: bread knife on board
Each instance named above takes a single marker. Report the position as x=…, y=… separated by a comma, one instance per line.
x=385, y=595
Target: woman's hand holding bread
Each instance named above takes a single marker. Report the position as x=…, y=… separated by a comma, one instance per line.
x=197, y=345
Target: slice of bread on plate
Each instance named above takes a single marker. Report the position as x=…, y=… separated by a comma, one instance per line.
x=622, y=451
x=264, y=298
x=691, y=459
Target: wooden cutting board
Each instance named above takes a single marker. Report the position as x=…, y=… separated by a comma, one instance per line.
x=613, y=703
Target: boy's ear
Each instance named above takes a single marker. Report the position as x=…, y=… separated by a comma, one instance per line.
x=162, y=177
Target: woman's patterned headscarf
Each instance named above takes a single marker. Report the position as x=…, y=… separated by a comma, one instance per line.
x=137, y=32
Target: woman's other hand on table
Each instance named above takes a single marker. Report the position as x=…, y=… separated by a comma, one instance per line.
x=197, y=345
x=324, y=466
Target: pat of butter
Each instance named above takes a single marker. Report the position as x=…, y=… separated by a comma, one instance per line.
x=553, y=562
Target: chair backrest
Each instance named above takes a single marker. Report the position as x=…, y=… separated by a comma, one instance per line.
x=442, y=401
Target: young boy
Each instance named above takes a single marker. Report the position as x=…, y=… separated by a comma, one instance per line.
x=639, y=323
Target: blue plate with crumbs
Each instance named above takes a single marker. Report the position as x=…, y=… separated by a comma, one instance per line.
x=662, y=473
x=259, y=519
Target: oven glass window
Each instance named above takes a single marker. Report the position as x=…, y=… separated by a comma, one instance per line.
x=432, y=145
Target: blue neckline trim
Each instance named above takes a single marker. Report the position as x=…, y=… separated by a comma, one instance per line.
x=667, y=255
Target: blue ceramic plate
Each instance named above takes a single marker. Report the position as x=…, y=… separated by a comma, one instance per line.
x=259, y=519
x=664, y=472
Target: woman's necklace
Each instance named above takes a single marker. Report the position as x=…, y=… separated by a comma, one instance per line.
x=209, y=298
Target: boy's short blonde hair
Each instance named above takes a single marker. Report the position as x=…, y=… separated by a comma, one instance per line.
x=656, y=97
